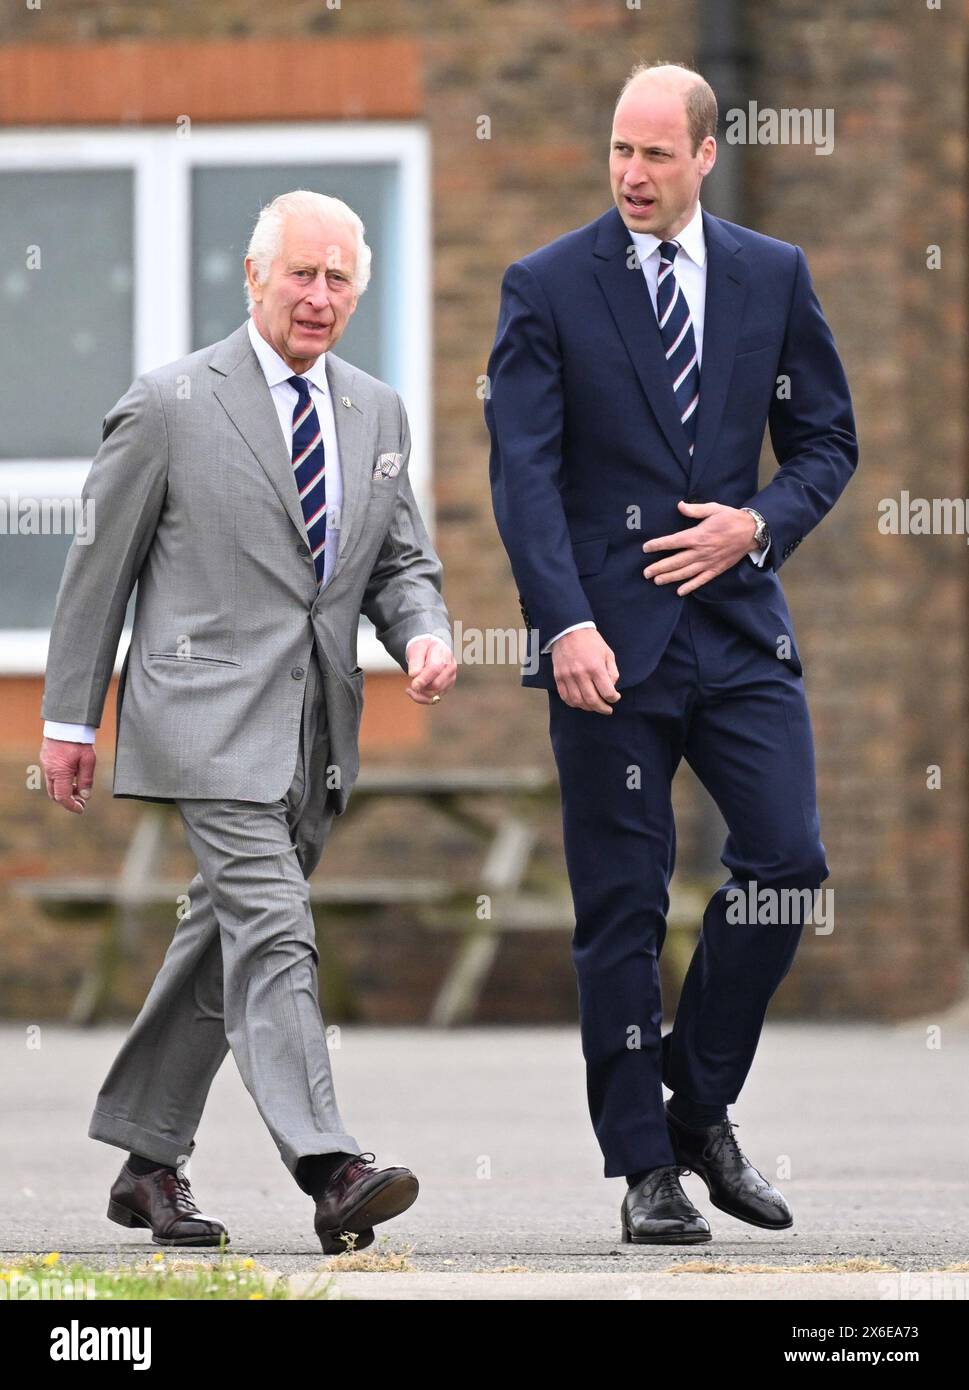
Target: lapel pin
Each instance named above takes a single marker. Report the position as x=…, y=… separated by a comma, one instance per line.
x=346, y=400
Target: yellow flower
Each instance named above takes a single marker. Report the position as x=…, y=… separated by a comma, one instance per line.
x=248, y=1263
x=257, y=1295
x=52, y=1258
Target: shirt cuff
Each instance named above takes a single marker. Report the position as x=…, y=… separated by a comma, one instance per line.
x=436, y=636
x=574, y=628
x=759, y=556
x=70, y=733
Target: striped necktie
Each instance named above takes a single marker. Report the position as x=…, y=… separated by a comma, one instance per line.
x=676, y=331
x=309, y=465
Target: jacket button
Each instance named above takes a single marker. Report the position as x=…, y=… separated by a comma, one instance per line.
x=297, y=673
x=302, y=549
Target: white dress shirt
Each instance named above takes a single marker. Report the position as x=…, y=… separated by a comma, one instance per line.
x=277, y=375
x=284, y=396
x=690, y=269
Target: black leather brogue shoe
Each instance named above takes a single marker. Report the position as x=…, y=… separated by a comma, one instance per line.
x=734, y=1184
x=656, y=1211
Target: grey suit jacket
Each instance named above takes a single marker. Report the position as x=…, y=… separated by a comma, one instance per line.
x=195, y=499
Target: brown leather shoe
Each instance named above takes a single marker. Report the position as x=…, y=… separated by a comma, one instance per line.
x=163, y=1201
x=358, y=1197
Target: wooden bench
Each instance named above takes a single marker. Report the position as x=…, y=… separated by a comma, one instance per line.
x=510, y=893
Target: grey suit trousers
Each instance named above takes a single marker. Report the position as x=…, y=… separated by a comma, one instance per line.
x=240, y=973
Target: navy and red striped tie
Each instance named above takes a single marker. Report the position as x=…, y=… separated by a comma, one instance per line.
x=309, y=466
x=676, y=331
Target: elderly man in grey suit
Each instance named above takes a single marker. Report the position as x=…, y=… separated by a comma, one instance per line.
x=257, y=491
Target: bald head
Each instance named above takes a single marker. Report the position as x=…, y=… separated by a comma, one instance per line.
x=662, y=147
x=693, y=90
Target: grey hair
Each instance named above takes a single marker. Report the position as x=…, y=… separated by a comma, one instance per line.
x=267, y=234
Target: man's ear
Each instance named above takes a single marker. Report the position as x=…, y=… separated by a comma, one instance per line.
x=255, y=285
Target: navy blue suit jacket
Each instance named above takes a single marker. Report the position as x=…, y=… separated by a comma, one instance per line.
x=588, y=455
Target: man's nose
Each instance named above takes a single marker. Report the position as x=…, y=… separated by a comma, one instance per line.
x=637, y=177
x=318, y=294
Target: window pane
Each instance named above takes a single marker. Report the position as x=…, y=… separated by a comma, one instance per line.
x=30, y=571
x=66, y=346
x=226, y=202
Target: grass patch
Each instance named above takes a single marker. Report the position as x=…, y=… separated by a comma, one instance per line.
x=159, y=1277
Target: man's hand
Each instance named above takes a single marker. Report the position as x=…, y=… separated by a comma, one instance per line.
x=433, y=669
x=723, y=537
x=68, y=771
x=585, y=671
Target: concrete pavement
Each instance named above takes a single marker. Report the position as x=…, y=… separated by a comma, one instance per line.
x=865, y=1129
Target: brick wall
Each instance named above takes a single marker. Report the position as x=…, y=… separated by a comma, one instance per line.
x=882, y=619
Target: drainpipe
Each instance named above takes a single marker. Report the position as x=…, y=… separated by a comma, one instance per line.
x=724, y=58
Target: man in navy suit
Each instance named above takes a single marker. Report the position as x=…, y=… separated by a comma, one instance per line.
x=636, y=364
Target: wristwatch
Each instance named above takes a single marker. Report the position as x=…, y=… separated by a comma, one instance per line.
x=762, y=534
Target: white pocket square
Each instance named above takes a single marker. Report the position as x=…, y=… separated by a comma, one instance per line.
x=387, y=465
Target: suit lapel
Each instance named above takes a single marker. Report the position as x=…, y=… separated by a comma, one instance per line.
x=624, y=286
x=247, y=400
x=351, y=420
x=623, y=283
x=726, y=292
x=245, y=396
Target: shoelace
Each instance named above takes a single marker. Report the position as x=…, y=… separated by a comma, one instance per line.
x=180, y=1191
x=669, y=1183
x=358, y=1165
x=727, y=1139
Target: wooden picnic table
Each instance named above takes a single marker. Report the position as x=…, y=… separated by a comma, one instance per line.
x=511, y=891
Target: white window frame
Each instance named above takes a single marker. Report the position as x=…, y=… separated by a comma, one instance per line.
x=162, y=162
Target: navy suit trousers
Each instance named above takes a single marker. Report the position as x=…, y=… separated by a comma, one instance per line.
x=738, y=715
